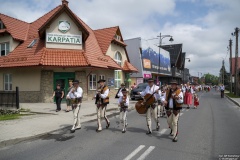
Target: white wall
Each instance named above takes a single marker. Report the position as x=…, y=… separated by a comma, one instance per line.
x=73, y=30
x=8, y=38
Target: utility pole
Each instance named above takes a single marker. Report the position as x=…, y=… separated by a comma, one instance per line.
x=223, y=72
x=230, y=50
x=236, y=62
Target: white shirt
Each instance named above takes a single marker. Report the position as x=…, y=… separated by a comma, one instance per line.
x=77, y=94
x=161, y=96
x=151, y=90
x=222, y=88
x=191, y=90
x=105, y=94
x=180, y=100
x=120, y=93
x=125, y=104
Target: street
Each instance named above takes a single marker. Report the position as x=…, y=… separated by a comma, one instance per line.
x=204, y=133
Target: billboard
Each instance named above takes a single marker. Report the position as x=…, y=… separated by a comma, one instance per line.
x=153, y=62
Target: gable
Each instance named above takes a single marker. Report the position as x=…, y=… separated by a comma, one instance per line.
x=64, y=33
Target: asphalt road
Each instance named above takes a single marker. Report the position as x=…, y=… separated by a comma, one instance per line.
x=204, y=133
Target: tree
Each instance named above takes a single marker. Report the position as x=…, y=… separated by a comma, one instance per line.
x=210, y=79
x=226, y=76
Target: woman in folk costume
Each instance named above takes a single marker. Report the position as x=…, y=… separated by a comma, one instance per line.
x=123, y=103
x=102, y=100
x=188, y=95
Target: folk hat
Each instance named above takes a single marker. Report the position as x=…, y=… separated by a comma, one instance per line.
x=124, y=90
x=122, y=84
x=76, y=82
x=150, y=80
x=101, y=80
x=173, y=82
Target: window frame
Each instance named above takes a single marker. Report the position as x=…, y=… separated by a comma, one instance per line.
x=116, y=58
x=8, y=83
x=6, y=49
x=117, y=80
x=91, y=85
x=101, y=76
x=1, y=25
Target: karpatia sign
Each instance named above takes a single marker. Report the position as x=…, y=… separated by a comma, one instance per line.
x=63, y=38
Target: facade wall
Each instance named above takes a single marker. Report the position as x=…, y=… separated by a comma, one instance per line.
x=73, y=31
x=8, y=38
x=46, y=86
x=27, y=79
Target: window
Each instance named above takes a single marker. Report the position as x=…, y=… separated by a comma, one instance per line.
x=1, y=25
x=93, y=82
x=118, y=58
x=32, y=43
x=102, y=77
x=118, y=37
x=118, y=78
x=7, y=82
x=4, y=48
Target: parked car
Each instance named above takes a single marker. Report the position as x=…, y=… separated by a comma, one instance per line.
x=134, y=93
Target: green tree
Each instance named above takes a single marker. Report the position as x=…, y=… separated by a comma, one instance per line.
x=226, y=75
x=210, y=79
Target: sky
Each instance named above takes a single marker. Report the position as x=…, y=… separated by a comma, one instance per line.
x=204, y=27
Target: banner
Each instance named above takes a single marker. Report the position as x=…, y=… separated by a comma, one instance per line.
x=155, y=62
x=64, y=38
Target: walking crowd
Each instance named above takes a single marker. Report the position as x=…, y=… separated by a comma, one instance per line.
x=158, y=101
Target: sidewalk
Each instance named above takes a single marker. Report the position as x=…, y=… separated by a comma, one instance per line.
x=47, y=119
x=234, y=100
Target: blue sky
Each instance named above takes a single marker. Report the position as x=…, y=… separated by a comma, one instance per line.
x=202, y=26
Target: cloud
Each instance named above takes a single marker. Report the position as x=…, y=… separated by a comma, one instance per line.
x=204, y=37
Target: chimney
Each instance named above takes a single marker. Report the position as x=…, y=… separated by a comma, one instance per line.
x=65, y=2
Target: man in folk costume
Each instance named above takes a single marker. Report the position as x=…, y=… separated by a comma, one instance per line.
x=123, y=103
x=75, y=96
x=173, y=101
x=152, y=110
x=102, y=100
x=119, y=92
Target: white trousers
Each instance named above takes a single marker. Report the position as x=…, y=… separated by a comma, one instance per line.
x=76, y=117
x=172, y=120
x=123, y=118
x=101, y=113
x=152, y=113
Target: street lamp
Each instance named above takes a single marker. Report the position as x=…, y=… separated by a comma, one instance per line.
x=188, y=59
x=161, y=37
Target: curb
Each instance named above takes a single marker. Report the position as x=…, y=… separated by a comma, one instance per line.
x=235, y=102
x=19, y=140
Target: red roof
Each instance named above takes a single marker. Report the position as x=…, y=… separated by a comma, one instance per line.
x=233, y=65
x=106, y=36
x=128, y=67
x=95, y=48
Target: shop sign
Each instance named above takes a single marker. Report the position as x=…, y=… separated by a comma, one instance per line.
x=63, y=38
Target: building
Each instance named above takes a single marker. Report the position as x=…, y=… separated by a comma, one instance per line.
x=134, y=49
x=177, y=58
x=57, y=48
x=186, y=75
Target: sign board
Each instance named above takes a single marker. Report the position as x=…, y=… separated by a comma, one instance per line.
x=110, y=82
x=63, y=38
x=155, y=62
x=139, y=80
x=64, y=26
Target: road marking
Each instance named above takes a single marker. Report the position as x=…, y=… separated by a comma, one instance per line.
x=181, y=114
x=187, y=110
x=163, y=131
x=134, y=152
x=146, y=153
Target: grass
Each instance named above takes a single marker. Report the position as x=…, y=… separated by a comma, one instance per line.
x=9, y=117
x=232, y=95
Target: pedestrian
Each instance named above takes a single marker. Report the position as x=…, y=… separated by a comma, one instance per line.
x=162, y=93
x=123, y=103
x=58, y=94
x=173, y=102
x=68, y=100
x=133, y=86
x=102, y=100
x=222, y=88
x=196, y=101
x=119, y=92
x=152, y=110
x=75, y=96
x=188, y=95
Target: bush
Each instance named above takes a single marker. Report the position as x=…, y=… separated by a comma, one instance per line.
x=8, y=112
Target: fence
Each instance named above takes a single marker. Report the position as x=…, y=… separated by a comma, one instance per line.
x=9, y=98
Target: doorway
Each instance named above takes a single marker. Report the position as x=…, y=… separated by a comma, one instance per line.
x=63, y=78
